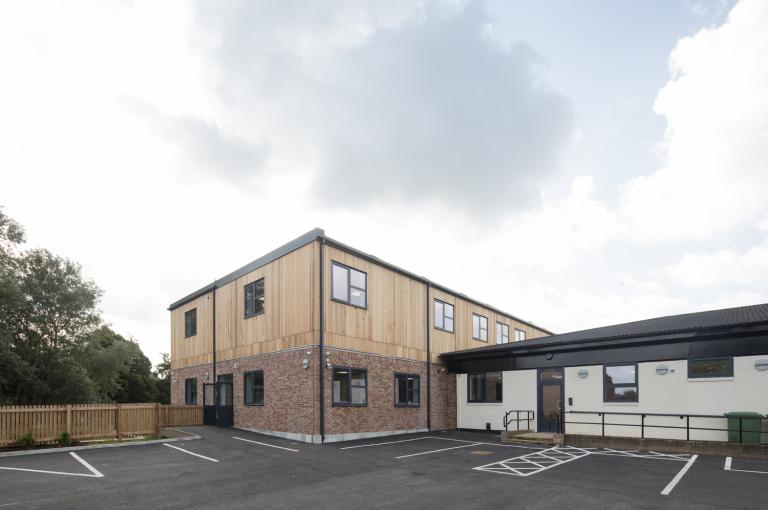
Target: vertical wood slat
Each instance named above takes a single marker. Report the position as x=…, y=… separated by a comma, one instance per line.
x=92, y=421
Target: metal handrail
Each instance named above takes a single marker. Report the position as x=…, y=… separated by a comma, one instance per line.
x=687, y=417
x=529, y=417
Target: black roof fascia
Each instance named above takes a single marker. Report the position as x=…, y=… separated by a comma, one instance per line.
x=275, y=254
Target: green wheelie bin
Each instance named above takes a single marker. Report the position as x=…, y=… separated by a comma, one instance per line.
x=750, y=427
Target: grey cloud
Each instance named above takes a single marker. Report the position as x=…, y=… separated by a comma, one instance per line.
x=427, y=108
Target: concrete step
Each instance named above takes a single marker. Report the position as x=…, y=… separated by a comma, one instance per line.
x=543, y=438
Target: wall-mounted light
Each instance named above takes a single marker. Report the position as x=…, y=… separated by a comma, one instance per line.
x=761, y=364
x=583, y=373
x=305, y=363
x=662, y=369
x=548, y=356
x=236, y=364
x=328, y=364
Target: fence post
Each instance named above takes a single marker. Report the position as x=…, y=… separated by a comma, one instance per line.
x=117, y=421
x=158, y=425
x=69, y=420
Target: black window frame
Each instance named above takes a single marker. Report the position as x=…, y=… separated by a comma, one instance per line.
x=349, y=270
x=503, y=325
x=480, y=331
x=253, y=284
x=525, y=335
x=190, y=326
x=187, y=386
x=434, y=320
x=607, y=385
x=399, y=375
x=484, y=400
x=711, y=358
x=245, y=388
x=348, y=403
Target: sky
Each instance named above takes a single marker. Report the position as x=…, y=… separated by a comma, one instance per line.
x=576, y=164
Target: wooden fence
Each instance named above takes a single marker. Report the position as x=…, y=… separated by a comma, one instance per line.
x=92, y=421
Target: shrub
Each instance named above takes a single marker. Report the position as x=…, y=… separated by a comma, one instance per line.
x=26, y=440
x=64, y=439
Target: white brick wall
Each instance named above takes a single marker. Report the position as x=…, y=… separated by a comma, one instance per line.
x=747, y=390
x=519, y=392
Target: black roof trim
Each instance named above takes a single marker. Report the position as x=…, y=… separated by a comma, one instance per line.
x=317, y=234
x=684, y=326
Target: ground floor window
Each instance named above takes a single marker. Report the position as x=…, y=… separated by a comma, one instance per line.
x=704, y=368
x=620, y=383
x=190, y=391
x=406, y=390
x=484, y=387
x=253, y=393
x=350, y=387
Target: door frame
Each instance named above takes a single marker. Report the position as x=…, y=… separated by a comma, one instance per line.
x=209, y=408
x=540, y=397
x=225, y=413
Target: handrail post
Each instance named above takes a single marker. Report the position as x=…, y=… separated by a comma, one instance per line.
x=740, y=429
x=642, y=426
x=518, y=421
x=603, y=421
x=688, y=427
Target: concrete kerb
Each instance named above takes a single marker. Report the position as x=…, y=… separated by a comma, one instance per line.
x=670, y=446
x=20, y=453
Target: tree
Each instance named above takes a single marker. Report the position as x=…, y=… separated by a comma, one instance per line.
x=163, y=375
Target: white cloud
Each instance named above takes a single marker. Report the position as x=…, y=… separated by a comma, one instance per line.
x=723, y=268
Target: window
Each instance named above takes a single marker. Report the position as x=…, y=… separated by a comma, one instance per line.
x=350, y=387
x=406, y=390
x=484, y=387
x=190, y=323
x=254, y=298
x=519, y=335
x=190, y=391
x=620, y=383
x=253, y=393
x=710, y=367
x=349, y=285
x=443, y=316
x=479, y=327
x=502, y=333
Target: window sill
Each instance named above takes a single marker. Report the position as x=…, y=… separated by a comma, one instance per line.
x=341, y=404
x=710, y=379
x=190, y=336
x=635, y=404
x=445, y=330
x=411, y=406
x=349, y=304
x=480, y=340
x=253, y=315
x=471, y=403
x=253, y=405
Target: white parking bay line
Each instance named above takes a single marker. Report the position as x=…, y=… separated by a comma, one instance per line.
x=727, y=467
x=191, y=453
x=264, y=444
x=679, y=476
x=436, y=451
x=95, y=473
x=386, y=443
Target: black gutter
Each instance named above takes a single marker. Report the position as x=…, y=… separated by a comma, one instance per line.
x=322, y=343
x=213, y=336
x=429, y=366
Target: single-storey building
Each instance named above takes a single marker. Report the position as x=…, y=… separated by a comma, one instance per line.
x=318, y=341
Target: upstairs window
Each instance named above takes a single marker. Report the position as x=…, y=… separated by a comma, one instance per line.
x=705, y=368
x=190, y=391
x=349, y=285
x=254, y=388
x=254, y=298
x=620, y=383
x=190, y=323
x=485, y=387
x=443, y=316
x=350, y=387
x=519, y=335
x=479, y=327
x=502, y=333
x=406, y=390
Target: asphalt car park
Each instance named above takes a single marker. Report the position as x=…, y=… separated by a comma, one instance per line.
x=238, y=469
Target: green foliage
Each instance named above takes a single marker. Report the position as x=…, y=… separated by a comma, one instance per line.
x=163, y=377
x=54, y=347
x=64, y=439
x=26, y=440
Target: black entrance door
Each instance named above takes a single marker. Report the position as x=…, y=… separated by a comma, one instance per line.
x=224, y=411
x=550, y=399
x=209, y=404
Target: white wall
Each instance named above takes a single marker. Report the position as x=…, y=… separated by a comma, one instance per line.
x=519, y=392
x=747, y=390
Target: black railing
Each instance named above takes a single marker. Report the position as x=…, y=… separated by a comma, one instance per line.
x=528, y=417
x=754, y=432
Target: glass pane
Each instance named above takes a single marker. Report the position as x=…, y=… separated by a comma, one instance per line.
x=710, y=368
x=248, y=300
x=620, y=375
x=258, y=293
x=358, y=377
x=439, y=314
x=493, y=387
x=249, y=389
x=449, y=310
x=358, y=395
x=225, y=394
x=340, y=386
x=498, y=333
x=476, y=387
x=259, y=394
x=340, y=283
x=402, y=390
x=551, y=374
x=449, y=324
x=413, y=390
x=621, y=394
x=357, y=279
x=475, y=326
x=357, y=297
